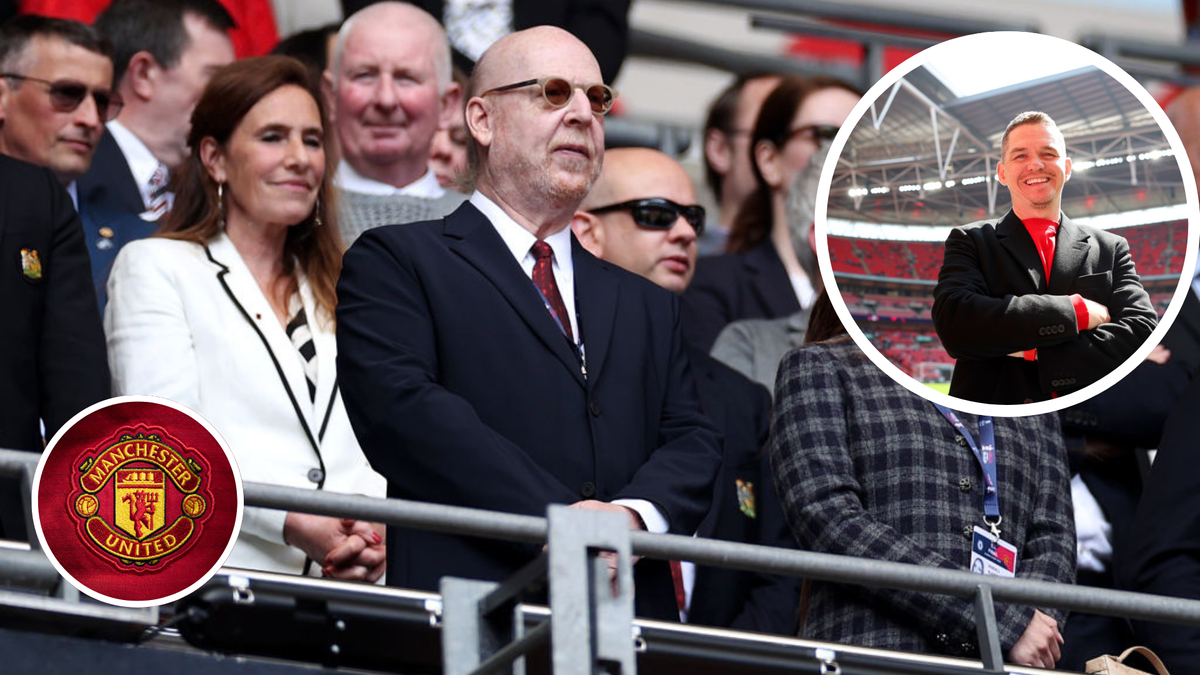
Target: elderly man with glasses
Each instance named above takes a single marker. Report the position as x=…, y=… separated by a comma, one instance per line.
x=642, y=215
x=488, y=360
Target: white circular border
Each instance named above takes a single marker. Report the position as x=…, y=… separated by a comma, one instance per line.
x=1038, y=44
x=237, y=481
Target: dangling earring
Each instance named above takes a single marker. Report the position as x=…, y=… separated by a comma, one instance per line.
x=317, y=213
x=221, y=204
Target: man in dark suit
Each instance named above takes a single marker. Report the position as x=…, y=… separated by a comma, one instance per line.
x=1033, y=305
x=488, y=360
x=52, y=357
x=642, y=215
x=164, y=53
x=1160, y=557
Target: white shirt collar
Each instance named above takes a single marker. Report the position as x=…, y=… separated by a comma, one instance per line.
x=519, y=240
x=346, y=178
x=141, y=161
x=73, y=191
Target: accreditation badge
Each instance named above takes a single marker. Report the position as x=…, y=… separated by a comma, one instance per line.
x=137, y=501
x=991, y=555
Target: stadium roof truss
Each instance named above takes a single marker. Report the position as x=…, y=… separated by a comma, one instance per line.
x=921, y=155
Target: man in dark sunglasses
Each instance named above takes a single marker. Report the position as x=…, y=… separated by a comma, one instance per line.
x=56, y=93
x=641, y=215
x=487, y=360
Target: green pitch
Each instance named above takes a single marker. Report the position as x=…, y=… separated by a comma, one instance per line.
x=943, y=387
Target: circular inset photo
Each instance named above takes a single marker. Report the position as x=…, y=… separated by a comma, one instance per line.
x=1004, y=228
x=137, y=501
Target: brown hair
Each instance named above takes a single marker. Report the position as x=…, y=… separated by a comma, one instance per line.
x=1027, y=117
x=823, y=321
x=196, y=215
x=774, y=125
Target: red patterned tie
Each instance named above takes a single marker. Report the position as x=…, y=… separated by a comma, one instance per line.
x=543, y=276
x=680, y=593
x=1051, y=231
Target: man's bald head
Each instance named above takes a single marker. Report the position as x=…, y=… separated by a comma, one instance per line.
x=666, y=256
x=392, y=15
x=537, y=159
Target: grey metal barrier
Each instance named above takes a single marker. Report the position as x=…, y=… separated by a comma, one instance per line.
x=594, y=633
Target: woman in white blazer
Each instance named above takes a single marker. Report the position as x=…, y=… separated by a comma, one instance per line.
x=229, y=310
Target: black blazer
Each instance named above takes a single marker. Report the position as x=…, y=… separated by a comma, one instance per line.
x=462, y=390
x=603, y=25
x=52, y=357
x=732, y=287
x=992, y=299
x=745, y=509
x=109, y=204
x=1161, y=554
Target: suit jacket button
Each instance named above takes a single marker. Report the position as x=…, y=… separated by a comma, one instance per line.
x=960, y=440
x=595, y=408
x=1061, y=328
x=1042, y=330
x=964, y=484
x=967, y=532
x=587, y=490
x=1028, y=400
x=316, y=476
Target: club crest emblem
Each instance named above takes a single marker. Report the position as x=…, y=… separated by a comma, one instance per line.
x=745, y=497
x=141, y=499
x=31, y=264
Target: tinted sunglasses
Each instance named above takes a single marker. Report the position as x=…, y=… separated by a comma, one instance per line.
x=557, y=92
x=659, y=214
x=66, y=95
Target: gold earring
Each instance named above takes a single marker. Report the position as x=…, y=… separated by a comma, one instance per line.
x=221, y=204
x=317, y=213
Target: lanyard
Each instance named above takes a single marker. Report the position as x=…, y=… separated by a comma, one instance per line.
x=577, y=347
x=985, y=453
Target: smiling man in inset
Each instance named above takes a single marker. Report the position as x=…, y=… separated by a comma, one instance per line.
x=1032, y=305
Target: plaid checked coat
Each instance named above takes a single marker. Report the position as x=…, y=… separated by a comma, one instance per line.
x=866, y=468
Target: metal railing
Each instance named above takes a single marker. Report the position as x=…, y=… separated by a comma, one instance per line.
x=576, y=532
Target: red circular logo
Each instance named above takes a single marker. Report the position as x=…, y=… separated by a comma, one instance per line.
x=137, y=501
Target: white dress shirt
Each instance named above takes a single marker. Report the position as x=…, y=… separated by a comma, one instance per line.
x=346, y=178
x=803, y=288
x=519, y=241
x=142, y=163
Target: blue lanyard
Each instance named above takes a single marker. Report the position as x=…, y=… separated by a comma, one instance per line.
x=985, y=452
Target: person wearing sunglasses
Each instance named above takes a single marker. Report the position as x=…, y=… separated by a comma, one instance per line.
x=641, y=215
x=488, y=360
x=56, y=93
x=760, y=276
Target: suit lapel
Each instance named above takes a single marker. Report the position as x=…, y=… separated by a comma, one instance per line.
x=1070, y=253
x=1015, y=239
x=596, y=291
x=472, y=237
x=110, y=181
x=244, y=292
x=769, y=280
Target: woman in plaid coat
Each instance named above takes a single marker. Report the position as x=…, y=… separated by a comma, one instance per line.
x=866, y=468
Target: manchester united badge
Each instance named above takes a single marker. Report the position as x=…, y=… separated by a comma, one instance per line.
x=137, y=488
